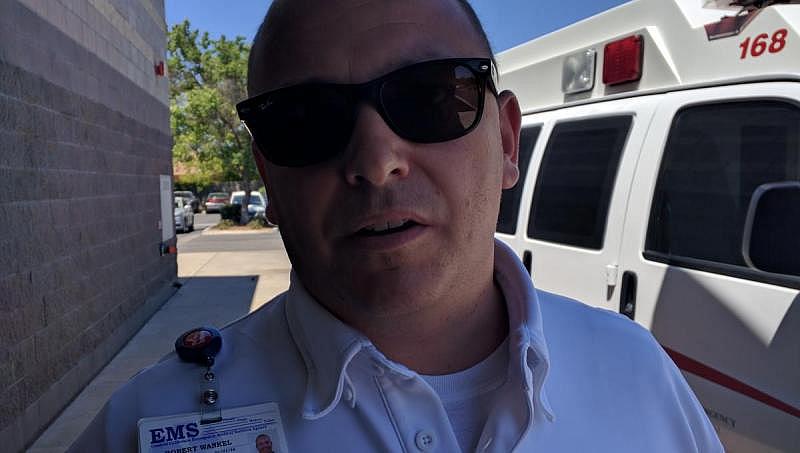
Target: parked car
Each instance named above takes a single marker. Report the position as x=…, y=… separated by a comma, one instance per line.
x=258, y=203
x=216, y=200
x=190, y=198
x=184, y=215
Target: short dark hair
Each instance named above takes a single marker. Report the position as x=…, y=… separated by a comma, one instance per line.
x=274, y=18
x=477, y=25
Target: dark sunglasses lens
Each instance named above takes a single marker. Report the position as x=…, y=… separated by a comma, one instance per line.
x=302, y=126
x=432, y=103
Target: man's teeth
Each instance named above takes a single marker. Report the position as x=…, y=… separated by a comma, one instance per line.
x=387, y=226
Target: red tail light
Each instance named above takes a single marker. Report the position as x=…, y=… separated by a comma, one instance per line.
x=623, y=60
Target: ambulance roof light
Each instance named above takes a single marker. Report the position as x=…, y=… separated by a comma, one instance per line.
x=577, y=74
x=729, y=26
x=745, y=4
x=623, y=59
x=755, y=4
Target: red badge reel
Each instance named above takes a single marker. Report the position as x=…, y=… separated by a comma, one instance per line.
x=201, y=346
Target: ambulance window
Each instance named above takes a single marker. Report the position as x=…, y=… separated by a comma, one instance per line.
x=509, y=203
x=576, y=179
x=716, y=156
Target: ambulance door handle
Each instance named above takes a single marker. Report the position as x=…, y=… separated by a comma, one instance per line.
x=612, y=271
x=527, y=260
x=627, y=295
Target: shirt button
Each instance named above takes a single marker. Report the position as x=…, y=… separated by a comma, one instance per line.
x=425, y=440
x=379, y=370
x=348, y=394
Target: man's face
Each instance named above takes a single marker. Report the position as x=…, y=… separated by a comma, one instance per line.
x=264, y=444
x=450, y=190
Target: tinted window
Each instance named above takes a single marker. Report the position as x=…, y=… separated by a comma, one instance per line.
x=715, y=157
x=576, y=180
x=509, y=203
x=255, y=199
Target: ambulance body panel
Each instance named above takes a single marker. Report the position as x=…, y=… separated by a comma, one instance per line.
x=678, y=54
x=635, y=197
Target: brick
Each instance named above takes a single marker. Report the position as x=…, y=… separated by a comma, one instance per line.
x=19, y=323
x=13, y=405
x=27, y=23
x=57, y=14
x=35, y=57
x=8, y=262
x=10, y=80
x=53, y=401
x=32, y=425
x=32, y=90
x=7, y=112
x=73, y=27
x=10, y=142
x=6, y=374
x=11, y=433
x=47, y=341
x=20, y=361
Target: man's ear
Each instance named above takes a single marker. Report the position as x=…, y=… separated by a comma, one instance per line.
x=510, y=120
x=261, y=164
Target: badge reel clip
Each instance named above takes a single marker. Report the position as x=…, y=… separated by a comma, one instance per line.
x=200, y=346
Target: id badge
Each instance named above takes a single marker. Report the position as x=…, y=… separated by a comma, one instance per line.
x=246, y=429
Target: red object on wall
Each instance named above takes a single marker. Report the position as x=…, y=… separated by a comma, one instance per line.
x=159, y=67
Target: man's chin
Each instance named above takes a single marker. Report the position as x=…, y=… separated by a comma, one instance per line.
x=396, y=287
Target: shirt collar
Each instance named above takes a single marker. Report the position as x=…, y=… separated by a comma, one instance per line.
x=327, y=360
x=327, y=346
x=530, y=358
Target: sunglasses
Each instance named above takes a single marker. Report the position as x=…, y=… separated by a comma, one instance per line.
x=429, y=102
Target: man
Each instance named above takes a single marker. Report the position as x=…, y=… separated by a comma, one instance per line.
x=384, y=146
x=264, y=444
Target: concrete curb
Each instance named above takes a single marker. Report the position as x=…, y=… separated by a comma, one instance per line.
x=214, y=231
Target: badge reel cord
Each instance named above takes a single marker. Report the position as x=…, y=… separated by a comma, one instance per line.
x=200, y=346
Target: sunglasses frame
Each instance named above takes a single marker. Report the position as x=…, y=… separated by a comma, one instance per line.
x=371, y=91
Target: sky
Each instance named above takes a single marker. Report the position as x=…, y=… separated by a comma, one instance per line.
x=507, y=22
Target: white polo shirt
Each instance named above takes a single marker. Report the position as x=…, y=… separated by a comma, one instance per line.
x=579, y=379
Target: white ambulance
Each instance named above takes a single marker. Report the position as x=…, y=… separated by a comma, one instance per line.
x=660, y=178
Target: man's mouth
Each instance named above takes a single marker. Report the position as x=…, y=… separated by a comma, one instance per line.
x=389, y=227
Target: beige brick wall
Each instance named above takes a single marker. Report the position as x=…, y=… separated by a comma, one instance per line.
x=100, y=27
x=84, y=136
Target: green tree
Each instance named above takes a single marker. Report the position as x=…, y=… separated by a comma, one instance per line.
x=207, y=78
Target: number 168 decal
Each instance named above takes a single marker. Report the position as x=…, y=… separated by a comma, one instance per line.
x=764, y=43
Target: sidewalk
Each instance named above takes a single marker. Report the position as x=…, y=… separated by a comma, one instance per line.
x=218, y=288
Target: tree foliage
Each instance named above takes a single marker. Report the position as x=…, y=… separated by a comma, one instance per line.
x=207, y=79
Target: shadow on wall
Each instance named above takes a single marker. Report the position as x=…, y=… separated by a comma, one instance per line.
x=693, y=321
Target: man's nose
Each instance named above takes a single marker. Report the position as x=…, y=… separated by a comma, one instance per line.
x=375, y=154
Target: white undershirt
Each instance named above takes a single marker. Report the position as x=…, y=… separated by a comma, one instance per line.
x=468, y=395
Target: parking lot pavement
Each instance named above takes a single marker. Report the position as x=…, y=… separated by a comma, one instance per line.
x=203, y=220
x=218, y=287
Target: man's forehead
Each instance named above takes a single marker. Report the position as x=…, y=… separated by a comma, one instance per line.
x=303, y=15
x=352, y=41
